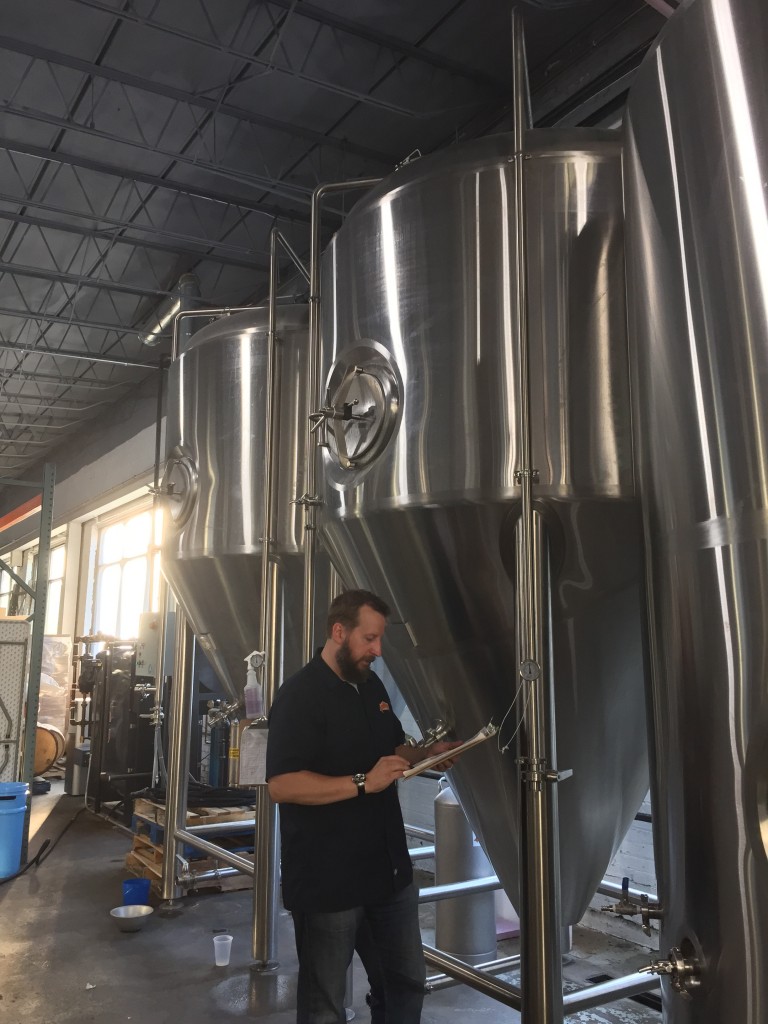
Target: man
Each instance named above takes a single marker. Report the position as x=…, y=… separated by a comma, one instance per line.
x=334, y=754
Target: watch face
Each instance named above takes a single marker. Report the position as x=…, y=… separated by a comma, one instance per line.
x=359, y=780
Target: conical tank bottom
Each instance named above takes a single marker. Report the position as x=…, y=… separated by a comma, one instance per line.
x=221, y=597
x=214, y=593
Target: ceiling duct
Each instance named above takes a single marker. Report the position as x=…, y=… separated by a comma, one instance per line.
x=184, y=297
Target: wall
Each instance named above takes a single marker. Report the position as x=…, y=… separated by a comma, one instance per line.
x=109, y=460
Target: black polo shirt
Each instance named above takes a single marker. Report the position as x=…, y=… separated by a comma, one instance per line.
x=352, y=852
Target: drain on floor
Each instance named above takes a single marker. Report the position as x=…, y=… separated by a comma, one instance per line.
x=649, y=999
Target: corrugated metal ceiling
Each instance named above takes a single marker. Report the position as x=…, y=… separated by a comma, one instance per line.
x=144, y=139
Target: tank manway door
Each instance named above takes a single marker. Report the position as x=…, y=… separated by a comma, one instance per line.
x=179, y=486
x=362, y=406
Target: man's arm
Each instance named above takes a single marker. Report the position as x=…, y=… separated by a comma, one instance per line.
x=312, y=788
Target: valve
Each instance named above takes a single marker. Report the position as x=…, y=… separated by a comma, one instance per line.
x=222, y=711
x=684, y=972
x=629, y=907
x=327, y=413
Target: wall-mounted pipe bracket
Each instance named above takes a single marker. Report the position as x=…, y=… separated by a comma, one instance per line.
x=308, y=501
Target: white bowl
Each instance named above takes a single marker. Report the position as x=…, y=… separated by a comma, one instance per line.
x=132, y=917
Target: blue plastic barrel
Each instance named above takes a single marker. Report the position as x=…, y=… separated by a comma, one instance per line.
x=13, y=807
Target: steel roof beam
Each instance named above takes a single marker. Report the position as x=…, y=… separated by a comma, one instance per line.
x=177, y=32
x=79, y=281
x=66, y=321
x=61, y=380
x=192, y=99
x=111, y=235
x=406, y=49
x=297, y=193
x=87, y=357
x=154, y=180
x=36, y=425
x=121, y=225
x=21, y=440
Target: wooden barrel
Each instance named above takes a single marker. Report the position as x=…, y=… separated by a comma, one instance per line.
x=49, y=746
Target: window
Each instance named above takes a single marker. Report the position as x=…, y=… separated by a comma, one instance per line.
x=55, y=589
x=127, y=573
x=17, y=601
x=6, y=587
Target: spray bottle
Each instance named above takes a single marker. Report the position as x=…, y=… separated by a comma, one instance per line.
x=254, y=702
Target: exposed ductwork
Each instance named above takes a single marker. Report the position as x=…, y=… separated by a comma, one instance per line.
x=185, y=297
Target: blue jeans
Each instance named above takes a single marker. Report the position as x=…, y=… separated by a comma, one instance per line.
x=325, y=944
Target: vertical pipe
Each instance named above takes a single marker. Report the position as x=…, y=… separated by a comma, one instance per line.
x=265, y=882
x=540, y=928
x=36, y=643
x=178, y=756
x=269, y=437
x=541, y=969
x=313, y=373
x=265, y=864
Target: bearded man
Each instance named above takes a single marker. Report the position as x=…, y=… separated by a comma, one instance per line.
x=335, y=752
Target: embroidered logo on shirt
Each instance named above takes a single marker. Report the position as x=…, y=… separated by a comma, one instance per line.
x=383, y=706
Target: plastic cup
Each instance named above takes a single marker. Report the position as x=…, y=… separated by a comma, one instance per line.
x=222, y=946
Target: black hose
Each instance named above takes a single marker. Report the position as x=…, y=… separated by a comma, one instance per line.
x=46, y=849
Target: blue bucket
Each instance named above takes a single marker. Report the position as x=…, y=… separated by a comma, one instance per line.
x=13, y=807
x=136, y=890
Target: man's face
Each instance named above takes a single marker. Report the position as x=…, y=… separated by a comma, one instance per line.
x=361, y=645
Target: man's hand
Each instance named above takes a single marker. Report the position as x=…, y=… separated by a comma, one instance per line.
x=386, y=771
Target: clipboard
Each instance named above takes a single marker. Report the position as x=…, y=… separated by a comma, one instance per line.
x=480, y=737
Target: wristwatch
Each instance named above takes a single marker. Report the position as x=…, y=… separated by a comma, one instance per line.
x=359, y=781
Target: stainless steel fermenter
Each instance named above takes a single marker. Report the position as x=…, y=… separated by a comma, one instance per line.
x=697, y=218
x=421, y=501
x=215, y=470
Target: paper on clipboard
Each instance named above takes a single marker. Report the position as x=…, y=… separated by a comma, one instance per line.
x=480, y=737
x=253, y=756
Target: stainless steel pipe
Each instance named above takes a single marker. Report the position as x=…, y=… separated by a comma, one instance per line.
x=502, y=991
x=242, y=864
x=541, y=967
x=265, y=878
x=609, y=992
x=468, y=888
x=220, y=827
x=311, y=499
x=505, y=963
x=178, y=757
x=421, y=852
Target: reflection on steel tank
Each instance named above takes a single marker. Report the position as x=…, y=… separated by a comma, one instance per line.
x=421, y=501
x=215, y=464
x=697, y=166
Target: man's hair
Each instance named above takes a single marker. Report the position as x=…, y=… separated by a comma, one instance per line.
x=345, y=608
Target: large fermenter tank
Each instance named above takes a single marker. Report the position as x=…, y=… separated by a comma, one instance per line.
x=215, y=471
x=697, y=167
x=421, y=367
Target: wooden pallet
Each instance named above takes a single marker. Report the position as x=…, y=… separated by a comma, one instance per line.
x=145, y=860
x=154, y=812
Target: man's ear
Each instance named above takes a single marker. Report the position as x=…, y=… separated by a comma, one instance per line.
x=338, y=633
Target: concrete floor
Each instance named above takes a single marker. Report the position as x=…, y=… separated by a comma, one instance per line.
x=62, y=960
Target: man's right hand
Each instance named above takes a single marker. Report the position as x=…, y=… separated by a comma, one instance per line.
x=386, y=771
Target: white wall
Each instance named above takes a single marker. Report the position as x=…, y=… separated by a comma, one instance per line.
x=113, y=459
